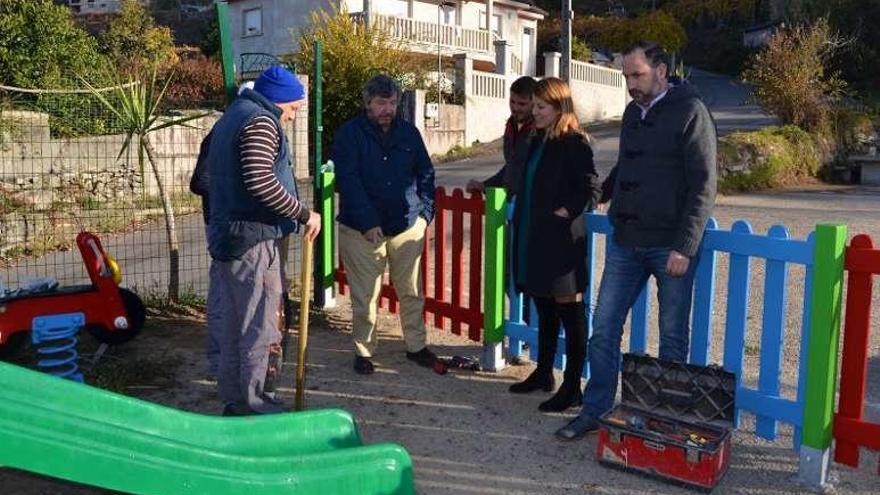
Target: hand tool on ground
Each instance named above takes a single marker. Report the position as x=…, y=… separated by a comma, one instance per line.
x=460, y=362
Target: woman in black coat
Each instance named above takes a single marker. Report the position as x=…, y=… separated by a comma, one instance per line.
x=549, y=249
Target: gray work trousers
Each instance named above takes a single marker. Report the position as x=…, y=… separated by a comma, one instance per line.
x=214, y=315
x=250, y=293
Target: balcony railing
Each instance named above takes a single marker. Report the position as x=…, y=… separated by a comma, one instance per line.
x=429, y=34
x=516, y=64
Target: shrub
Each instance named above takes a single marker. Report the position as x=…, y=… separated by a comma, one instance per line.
x=771, y=157
x=197, y=83
x=791, y=78
x=580, y=50
x=852, y=130
x=352, y=55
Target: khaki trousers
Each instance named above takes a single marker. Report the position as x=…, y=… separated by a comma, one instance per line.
x=365, y=263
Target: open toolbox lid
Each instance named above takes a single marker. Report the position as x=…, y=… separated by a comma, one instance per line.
x=704, y=394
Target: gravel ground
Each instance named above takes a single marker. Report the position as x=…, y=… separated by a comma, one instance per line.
x=467, y=434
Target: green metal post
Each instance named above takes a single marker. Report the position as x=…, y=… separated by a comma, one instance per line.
x=226, y=50
x=822, y=353
x=328, y=236
x=318, y=108
x=323, y=191
x=493, y=312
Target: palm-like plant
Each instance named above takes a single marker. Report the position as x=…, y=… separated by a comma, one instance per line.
x=137, y=107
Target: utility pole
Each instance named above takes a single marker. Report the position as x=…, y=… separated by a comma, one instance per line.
x=565, y=40
x=440, y=6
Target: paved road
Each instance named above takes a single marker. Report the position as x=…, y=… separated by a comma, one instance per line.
x=727, y=100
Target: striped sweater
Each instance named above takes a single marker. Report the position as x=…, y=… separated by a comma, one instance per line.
x=260, y=144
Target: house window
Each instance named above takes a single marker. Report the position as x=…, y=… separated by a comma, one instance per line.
x=253, y=22
x=496, y=22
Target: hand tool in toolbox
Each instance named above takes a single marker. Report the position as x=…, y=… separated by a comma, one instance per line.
x=674, y=422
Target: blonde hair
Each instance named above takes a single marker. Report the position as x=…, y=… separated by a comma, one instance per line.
x=557, y=93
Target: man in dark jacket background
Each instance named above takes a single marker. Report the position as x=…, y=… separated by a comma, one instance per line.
x=517, y=133
x=662, y=191
x=386, y=201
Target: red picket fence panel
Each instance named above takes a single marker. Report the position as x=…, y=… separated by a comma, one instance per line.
x=445, y=273
x=851, y=431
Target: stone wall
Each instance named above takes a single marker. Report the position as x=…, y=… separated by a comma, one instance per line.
x=43, y=176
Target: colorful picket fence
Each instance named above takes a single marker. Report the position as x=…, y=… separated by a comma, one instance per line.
x=778, y=252
x=820, y=256
x=851, y=430
x=452, y=264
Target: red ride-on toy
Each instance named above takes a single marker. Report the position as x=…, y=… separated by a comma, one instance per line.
x=114, y=315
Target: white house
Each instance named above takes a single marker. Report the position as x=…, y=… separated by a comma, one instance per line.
x=424, y=26
x=98, y=6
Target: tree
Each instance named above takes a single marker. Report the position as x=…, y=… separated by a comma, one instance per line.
x=856, y=21
x=136, y=104
x=690, y=12
x=210, y=45
x=133, y=40
x=41, y=47
x=791, y=75
x=617, y=33
x=353, y=54
x=859, y=61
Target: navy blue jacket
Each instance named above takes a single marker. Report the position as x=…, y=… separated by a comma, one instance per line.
x=384, y=179
x=237, y=221
x=200, y=182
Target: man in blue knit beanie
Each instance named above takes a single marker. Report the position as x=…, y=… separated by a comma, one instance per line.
x=253, y=205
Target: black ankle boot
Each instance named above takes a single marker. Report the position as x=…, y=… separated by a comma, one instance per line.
x=548, y=332
x=538, y=380
x=568, y=395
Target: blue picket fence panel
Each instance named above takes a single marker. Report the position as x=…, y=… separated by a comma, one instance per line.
x=778, y=252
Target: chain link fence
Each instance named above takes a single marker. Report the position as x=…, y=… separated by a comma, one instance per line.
x=64, y=169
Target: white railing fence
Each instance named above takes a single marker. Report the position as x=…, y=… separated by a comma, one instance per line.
x=488, y=85
x=596, y=74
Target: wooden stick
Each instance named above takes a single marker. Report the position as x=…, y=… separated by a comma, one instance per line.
x=305, y=293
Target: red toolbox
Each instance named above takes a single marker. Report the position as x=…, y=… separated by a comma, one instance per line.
x=674, y=422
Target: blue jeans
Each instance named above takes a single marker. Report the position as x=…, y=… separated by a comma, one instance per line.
x=626, y=272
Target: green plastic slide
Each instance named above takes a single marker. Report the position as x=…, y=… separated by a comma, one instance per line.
x=66, y=430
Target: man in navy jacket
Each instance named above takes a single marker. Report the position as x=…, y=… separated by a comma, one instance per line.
x=386, y=201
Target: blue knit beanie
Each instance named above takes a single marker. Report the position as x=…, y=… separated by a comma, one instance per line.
x=279, y=85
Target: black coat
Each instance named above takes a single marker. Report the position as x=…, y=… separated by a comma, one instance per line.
x=566, y=178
